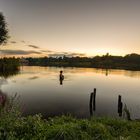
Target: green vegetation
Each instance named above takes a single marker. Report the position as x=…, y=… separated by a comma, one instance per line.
x=130, y=61
x=15, y=127
x=3, y=30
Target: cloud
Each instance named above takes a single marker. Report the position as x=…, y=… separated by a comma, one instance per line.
x=61, y=54
x=77, y=54
x=33, y=46
x=56, y=55
x=47, y=51
x=18, y=52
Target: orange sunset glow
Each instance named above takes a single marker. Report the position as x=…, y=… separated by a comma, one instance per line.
x=87, y=28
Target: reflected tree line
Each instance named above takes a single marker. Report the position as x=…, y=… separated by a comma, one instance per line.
x=9, y=66
x=121, y=110
x=130, y=61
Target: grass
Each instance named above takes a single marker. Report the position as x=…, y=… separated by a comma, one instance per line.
x=15, y=127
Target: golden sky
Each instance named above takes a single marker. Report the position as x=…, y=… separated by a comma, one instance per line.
x=71, y=27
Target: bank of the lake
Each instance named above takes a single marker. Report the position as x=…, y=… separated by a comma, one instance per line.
x=14, y=127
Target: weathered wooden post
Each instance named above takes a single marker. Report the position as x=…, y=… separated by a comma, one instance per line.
x=92, y=103
x=94, y=99
x=120, y=105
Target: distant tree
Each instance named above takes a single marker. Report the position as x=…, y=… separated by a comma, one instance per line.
x=3, y=30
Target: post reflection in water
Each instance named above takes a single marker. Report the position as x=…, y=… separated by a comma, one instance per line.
x=92, y=103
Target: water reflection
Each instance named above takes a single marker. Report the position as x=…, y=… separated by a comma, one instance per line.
x=106, y=72
x=3, y=96
x=7, y=74
x=3, y=81
x=42, y=85
x=61, y=77
x=33, y=78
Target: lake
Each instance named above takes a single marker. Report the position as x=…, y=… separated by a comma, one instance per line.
x=40, y=91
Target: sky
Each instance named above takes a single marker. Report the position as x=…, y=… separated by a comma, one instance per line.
x=71, y=27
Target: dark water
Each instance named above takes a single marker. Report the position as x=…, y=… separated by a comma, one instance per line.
x=40, y=91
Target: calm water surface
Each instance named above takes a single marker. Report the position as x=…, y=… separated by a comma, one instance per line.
x=40, y=90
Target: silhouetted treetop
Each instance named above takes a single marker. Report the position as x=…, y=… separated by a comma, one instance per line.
x=3, y=30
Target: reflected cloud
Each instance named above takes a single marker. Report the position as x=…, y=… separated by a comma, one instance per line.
x=33, y=78
x=13, y=42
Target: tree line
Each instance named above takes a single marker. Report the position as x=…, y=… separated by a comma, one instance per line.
x=130, y=61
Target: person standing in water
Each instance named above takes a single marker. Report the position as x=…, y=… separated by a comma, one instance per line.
x=61, y=77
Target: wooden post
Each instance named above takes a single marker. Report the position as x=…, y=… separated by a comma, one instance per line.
x=94, y=99
x=120, y=105
x=92, y=103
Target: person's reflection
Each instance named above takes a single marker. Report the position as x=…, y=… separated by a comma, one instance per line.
x=92, y=103
x=61, y=77
x=106, y=72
